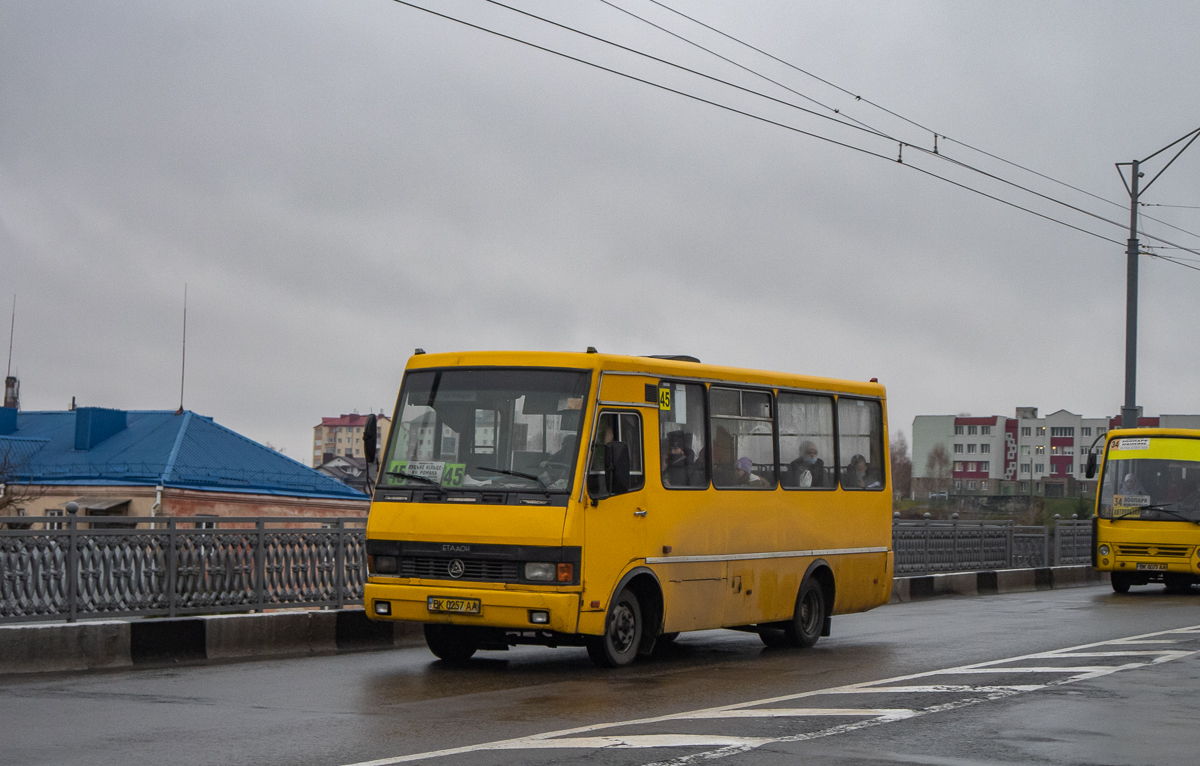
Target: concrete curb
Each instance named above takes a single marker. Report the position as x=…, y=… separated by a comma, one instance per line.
x=55, y=647
x=992, y=582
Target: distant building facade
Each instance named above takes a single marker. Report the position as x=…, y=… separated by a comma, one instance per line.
x=342, y=437
x=1021, y=455
x=351, y=471
x=118, y=463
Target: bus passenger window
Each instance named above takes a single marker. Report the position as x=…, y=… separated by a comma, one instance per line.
x=860, y=443
x=681, y=438
x=623, y=427
x=806, y=459
x=743, y=439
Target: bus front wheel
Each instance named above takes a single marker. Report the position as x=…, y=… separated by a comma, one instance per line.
x=452, y=643
x=810, y=615
x=622, y=633
x=1121, y=582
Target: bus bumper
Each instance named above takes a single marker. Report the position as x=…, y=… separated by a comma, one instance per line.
x=498, y=608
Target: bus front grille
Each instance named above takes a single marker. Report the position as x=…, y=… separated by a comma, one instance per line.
x=1155, y=551
x=438, y=568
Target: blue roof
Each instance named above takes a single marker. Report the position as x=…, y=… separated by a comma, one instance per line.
x=157, y=447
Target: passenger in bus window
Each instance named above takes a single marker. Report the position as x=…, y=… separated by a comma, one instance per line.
x=855, y=475
x=808, y=470
x=680, y=468
x=723, y=458
x=744, y=474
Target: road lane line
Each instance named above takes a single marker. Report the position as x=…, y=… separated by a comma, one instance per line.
x=562, y=737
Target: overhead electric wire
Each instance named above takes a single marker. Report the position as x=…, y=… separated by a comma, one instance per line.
x=1183, y=207
x=899, y=116
x=774, y=123
x=869, y=129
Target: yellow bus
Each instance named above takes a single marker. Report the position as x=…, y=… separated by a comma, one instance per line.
x=707, y=497
x=1147, y=522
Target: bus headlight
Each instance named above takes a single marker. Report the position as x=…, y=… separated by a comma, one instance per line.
x=383, y=564
x=537, y=570
x=1103, y=550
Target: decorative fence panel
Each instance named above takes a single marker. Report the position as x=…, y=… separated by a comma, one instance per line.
x=61, y=571
x=252, y=564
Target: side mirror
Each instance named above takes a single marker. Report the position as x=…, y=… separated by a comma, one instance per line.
x=616, y=467
x=1090, y=471
x=369, y=437
x=614, y=480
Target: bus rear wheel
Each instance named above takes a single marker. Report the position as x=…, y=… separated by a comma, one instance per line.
x=809, y=619
x=1121, y=582
x=452, y=643
x=622, y=633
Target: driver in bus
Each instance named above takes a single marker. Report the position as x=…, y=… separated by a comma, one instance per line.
x=680, y=468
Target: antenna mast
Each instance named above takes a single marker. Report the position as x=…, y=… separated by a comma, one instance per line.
x=11, y=328
x=183, y=359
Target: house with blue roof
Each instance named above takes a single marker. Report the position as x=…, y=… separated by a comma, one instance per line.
x=141, y=463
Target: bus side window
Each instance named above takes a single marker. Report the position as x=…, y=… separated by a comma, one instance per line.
x=860, y=443
x=682, y=448
x=806, y=459
x=743, y=439
x=625, y=427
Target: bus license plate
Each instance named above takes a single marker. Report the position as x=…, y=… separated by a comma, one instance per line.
x=454, y=605
x=1153, y=567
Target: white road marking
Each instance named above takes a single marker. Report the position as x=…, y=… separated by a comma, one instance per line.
x=730, y=745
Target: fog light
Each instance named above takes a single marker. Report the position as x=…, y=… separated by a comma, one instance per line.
x=1104, y=562
x=539, y=618
x=1103, y=550
x=540, y=571
x=383, y=607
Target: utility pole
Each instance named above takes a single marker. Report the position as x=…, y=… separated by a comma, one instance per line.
x=1129, y=411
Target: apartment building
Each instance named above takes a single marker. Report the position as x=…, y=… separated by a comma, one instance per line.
x=1022, y=455
x=342, y=437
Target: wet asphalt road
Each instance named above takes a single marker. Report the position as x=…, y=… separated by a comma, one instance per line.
x=1118, y=702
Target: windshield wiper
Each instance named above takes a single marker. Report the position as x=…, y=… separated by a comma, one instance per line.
x=414, y=477
x=518, y=474
x=1162, y=508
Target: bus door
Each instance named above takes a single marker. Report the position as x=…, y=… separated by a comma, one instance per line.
x=615, y=524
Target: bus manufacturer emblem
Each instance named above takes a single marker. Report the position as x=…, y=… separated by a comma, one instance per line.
x=455, y=568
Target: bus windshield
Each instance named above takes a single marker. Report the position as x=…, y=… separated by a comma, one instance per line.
x=1152, y=479
x=489, y=429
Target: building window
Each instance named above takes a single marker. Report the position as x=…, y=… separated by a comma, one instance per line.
x=985, y=430
x=1069, y=468
x=1099, y=432
x=958, y=430
x=1068, y=450
x=1039, y=450
x=1026, y=431
x=970, y=485
x=985, y=449
x=985, y=466
x=958, y=485
x=958, y=466
x=972, y=430
x=1025, y=467
x=207, y=524
x=958, y=448
x=1041, y=431
x=1055, y=450
x=1024, y=449
x=970, y=449
x=1062, y=430
x=1054, y=468
x=972, y=467
x=1039, y=467
x=1085, y=431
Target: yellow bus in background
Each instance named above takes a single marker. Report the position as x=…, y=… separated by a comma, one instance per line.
x=1147, y=523
x=612, y=502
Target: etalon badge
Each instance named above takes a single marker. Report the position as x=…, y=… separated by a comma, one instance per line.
x=455, y=568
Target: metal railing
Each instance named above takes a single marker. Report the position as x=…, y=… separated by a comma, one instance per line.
x=54, y=568
x=928, y=546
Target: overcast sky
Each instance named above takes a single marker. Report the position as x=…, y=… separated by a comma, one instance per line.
x=340, y=182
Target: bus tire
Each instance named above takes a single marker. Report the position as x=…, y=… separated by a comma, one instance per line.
x=452, y=643
x=1120, y=582
x=809, y=618
x=623, y=628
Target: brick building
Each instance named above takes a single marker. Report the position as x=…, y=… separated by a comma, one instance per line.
x=117, y=463
x=342, y=437
x=1021, y=455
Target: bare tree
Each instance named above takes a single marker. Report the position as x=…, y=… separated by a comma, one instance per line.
x=937, y=467
x=901, y=466
x=15, y=495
